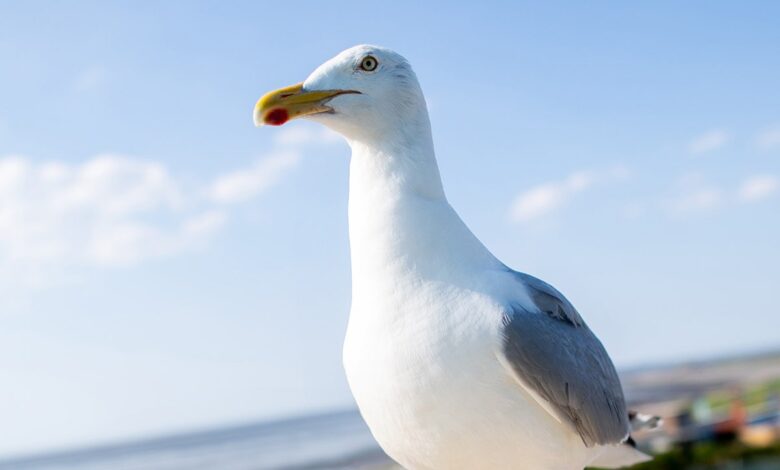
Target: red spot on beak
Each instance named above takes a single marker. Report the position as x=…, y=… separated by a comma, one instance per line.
x=277, y=117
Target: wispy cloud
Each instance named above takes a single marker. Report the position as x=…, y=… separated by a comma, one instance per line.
x=245, y=183
x=709, y=142
x=117, y=210
x=109, y=210
x=768, y=138
x=697, y=195
x=758, y=187
x=240, y=185
x=549, y=197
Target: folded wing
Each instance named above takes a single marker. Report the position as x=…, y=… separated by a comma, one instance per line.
x=553, y=353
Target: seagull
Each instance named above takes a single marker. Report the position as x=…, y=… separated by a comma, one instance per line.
x=455, y=360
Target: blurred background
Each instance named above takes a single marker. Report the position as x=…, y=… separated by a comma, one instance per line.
x=174, y=283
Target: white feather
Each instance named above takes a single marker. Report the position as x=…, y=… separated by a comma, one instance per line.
x=424, y=327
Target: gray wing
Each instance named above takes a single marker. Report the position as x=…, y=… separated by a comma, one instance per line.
x=554, y=353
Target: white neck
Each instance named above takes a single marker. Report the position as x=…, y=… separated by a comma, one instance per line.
x=402, y=163
x=401, y=227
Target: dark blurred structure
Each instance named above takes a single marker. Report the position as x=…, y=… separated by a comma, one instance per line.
x=718, y=414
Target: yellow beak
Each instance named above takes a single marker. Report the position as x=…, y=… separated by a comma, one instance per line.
x=279, y=106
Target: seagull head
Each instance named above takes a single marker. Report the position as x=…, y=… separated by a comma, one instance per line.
x=362, y=93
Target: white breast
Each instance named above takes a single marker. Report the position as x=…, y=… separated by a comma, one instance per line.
x=422, y=366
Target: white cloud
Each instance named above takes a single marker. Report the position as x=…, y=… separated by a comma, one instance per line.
x=244, y=184
x=204, y=223
x=108, y=210
x=709, y=141
x=549, y=197
x=112, y=185
x=129, y=242
x=758, y=187
x=696, y=195
x=768, y=138
x=114, y=210
x=241, y=185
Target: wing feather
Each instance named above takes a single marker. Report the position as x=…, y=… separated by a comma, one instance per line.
x=553, y=352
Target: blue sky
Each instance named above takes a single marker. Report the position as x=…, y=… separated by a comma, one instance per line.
x=165, y=266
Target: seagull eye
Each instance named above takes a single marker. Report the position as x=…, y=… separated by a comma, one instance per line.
x=368, y=63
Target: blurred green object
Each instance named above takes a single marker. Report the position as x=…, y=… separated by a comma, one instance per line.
x=712, y=456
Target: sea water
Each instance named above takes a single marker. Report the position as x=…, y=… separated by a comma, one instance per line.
x=331, y=441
